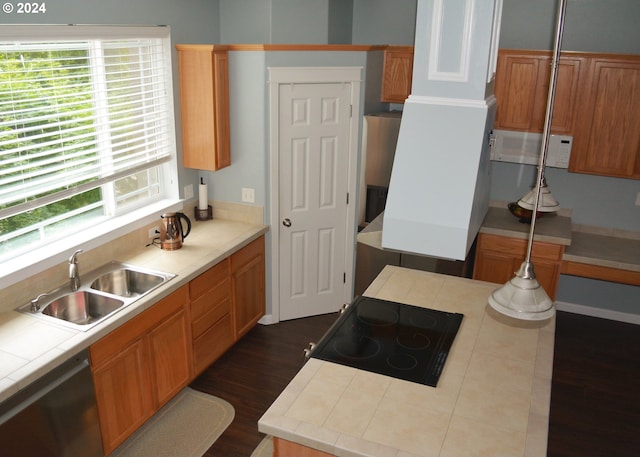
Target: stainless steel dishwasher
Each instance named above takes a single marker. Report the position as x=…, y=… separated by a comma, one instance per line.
x=54, y=416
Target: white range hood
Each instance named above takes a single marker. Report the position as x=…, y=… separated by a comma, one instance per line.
x=439, y=189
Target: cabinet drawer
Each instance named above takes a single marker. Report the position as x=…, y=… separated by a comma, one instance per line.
x=124, y=335
x=247, y=254
x=210, y=308
x=212, y=344
x=209, y=279
x=518, y=247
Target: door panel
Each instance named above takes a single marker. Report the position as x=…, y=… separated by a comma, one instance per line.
x=314, y=161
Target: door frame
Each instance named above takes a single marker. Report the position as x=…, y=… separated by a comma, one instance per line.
x=278, y=76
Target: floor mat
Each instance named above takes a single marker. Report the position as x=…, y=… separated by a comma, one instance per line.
x=185, y=427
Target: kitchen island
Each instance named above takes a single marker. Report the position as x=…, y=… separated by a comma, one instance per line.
x=492, y=399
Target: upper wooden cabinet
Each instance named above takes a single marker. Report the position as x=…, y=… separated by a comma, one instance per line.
x=597, y=101
x=522, y=87
x=396, y=73
x=607, y=132
x=204, y=106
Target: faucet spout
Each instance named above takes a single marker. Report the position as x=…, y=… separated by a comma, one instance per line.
x=74, y=271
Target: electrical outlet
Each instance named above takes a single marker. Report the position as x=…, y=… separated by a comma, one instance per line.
x=188, y=192
x=153, y=232
x=638, y=199
x=248, y=195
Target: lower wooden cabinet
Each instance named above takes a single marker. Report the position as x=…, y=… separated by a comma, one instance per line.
x=211, y=322
x=122, y=394
x=139, y=366
x=145, y=362
x=248, y=287
x=499, y=257
x=284, y=448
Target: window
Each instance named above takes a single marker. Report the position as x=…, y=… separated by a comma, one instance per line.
x=86, y=129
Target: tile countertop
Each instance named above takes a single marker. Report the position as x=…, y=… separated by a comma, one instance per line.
x=30, y=347
x=492, y=399
x=605, y=250
x=550, y=228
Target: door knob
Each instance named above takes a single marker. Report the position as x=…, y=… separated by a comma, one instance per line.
x=286, y=222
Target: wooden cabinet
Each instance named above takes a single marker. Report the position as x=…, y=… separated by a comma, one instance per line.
x=285, y=448
x=211, y=322
x=597, y=101
x=248, y=286
x=607, y=134
x=204, y=106
x=145, y=362
x=522, y=87
x=139, y=366
x=122, y=394
x=499, y=257
x=397, y=73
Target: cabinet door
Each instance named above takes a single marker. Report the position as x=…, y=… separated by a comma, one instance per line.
x=212, y=343
x=522, y=88
x=397, y=73
x=204, y=106
x=607, y=137
x=516, y=88
x=494, y=266
x=170, y=361
x=247, y=284
x=123, y=395
x=498, y=258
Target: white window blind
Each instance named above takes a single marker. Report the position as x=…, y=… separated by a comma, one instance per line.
x=78, y=114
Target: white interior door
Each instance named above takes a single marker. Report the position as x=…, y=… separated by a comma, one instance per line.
x=314, y=132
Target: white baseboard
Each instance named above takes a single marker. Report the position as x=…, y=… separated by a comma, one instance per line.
x=598, y=312
x=267, y=319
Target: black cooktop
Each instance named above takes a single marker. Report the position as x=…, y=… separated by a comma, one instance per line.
x=394, y=339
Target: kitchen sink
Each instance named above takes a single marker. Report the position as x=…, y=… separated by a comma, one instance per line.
x=102, y=293
x=127, y=282
x=82, y=307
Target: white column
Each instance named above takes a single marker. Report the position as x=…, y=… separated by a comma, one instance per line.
x=439, y=189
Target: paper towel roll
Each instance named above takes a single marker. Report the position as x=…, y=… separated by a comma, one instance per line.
x=203, y=196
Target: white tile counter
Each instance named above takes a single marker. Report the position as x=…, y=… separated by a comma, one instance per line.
x=492, y=399
x=30, y=347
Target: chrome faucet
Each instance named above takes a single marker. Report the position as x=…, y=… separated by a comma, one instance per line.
x=35, y=306
x=74, y=272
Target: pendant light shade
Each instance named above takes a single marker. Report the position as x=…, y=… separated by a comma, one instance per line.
x=547, y=203
x=523, y=297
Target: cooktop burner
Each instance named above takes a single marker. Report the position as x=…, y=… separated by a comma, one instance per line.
x=394, y=339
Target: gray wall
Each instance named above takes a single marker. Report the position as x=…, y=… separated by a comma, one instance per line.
x=384, y=22
x=590, y=25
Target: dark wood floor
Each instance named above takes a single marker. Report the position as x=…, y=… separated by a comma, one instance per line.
x=595, y=399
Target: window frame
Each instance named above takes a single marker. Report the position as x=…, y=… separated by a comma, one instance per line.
x=23, y=266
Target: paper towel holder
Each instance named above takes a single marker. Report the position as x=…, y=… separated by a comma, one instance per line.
x=203, y=214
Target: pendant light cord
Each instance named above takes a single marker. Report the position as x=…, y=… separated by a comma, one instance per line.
x=555, y=60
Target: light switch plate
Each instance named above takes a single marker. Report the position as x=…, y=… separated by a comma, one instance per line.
x=188, y=191
x=638, y=199
x=248, y=195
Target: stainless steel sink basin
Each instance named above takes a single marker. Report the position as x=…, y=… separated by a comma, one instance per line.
x=126, y=282
x=82, y=307
x=102, y=293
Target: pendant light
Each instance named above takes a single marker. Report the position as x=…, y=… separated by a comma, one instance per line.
x=523, y=297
